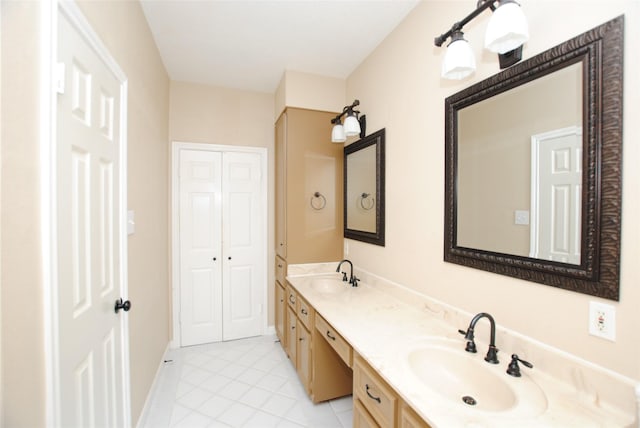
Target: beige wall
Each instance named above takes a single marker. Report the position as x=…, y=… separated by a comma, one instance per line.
x=123, y=29
x=494, y=174
x=23, y=373
x=310, y=91
x=206, y=114
x=401, y=90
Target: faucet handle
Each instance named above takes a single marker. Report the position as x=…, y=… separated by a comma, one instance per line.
x=354, y=281
x=344, y=276
x=471, y=344
x=514, y=368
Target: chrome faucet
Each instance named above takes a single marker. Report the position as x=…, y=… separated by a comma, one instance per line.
x=353, y=281
x=492, y=353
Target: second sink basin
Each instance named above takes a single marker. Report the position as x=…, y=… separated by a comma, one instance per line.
x=467, y=380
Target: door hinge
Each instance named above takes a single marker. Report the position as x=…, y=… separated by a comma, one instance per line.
x=60, y=75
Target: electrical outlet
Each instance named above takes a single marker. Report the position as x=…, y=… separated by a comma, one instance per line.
x=345, y=249
x=602, y=320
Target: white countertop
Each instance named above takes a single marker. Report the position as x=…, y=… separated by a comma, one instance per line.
x=382, y=322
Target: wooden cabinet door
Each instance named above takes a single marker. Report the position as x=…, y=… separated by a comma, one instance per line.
x=280, y=313
x=281, y=180
x=292, y=335
x=304, y=356
x=314, y=225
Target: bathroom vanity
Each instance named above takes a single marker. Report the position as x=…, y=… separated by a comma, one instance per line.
x=327, y=365
x=401, y=356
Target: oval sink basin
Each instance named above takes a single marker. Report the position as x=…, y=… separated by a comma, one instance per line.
x=328, y=285
x=466, y=379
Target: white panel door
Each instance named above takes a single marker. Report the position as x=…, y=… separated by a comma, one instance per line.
x=200, y=246
x=222, y=245
x=91, y=337
x=557, y=199
x=243, y=276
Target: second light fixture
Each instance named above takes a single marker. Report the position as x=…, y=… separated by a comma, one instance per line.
x=353, y=124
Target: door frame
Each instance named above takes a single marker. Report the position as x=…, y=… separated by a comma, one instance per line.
x=48, y=195
x=176, y=147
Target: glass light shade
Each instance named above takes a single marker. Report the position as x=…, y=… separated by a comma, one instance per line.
x=337, y=134
x=459, y=61
x=351, y=126
x=507, y=29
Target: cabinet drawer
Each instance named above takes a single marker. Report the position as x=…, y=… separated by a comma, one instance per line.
x=362, y=418
x=281, y=270
x=374, y=393
x=305, y=313
x=292, y=296
x=342, y=348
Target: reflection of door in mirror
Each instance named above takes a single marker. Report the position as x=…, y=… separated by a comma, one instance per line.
x=556, y=187
x=494, y=159
x=361, y=170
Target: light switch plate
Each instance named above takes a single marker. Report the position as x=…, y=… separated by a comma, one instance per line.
x=131, y=222
x=521, y=217
x=602, y=320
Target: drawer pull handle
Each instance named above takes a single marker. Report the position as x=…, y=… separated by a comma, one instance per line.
x=291, y=298
x=371, y=396
x=329, y=335
x=304, y=311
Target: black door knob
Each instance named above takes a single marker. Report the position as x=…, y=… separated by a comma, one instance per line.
x=125, y=306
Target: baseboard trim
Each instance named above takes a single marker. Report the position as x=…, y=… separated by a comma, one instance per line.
x=152, y=391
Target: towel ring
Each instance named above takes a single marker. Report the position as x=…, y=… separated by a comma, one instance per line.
x=370, y=204
x=323, y=201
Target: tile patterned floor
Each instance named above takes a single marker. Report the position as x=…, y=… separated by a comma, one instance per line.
x=242, y=383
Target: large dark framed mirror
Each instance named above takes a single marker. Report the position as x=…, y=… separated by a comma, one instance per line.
x=533, y=161
x=364, y=189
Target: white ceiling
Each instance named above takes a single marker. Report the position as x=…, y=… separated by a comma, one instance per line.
x=248, y=45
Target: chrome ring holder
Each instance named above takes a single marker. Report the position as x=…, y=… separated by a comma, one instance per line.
x=371, y=202
x=317, y=196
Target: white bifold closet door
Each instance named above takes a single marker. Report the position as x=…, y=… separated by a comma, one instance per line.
x=221, y=246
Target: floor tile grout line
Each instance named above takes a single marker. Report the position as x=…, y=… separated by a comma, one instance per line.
x=253, y=350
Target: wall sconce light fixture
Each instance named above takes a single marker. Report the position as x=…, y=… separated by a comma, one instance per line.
x=353, y=124
x=506, y=33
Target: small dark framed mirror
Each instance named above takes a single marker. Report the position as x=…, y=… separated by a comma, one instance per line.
x=364, y=189
x=533, y=160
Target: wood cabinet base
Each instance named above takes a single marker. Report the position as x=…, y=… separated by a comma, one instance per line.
x=332, y=378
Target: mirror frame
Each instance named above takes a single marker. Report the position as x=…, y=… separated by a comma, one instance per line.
x=600, y=51
x=377, y=139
